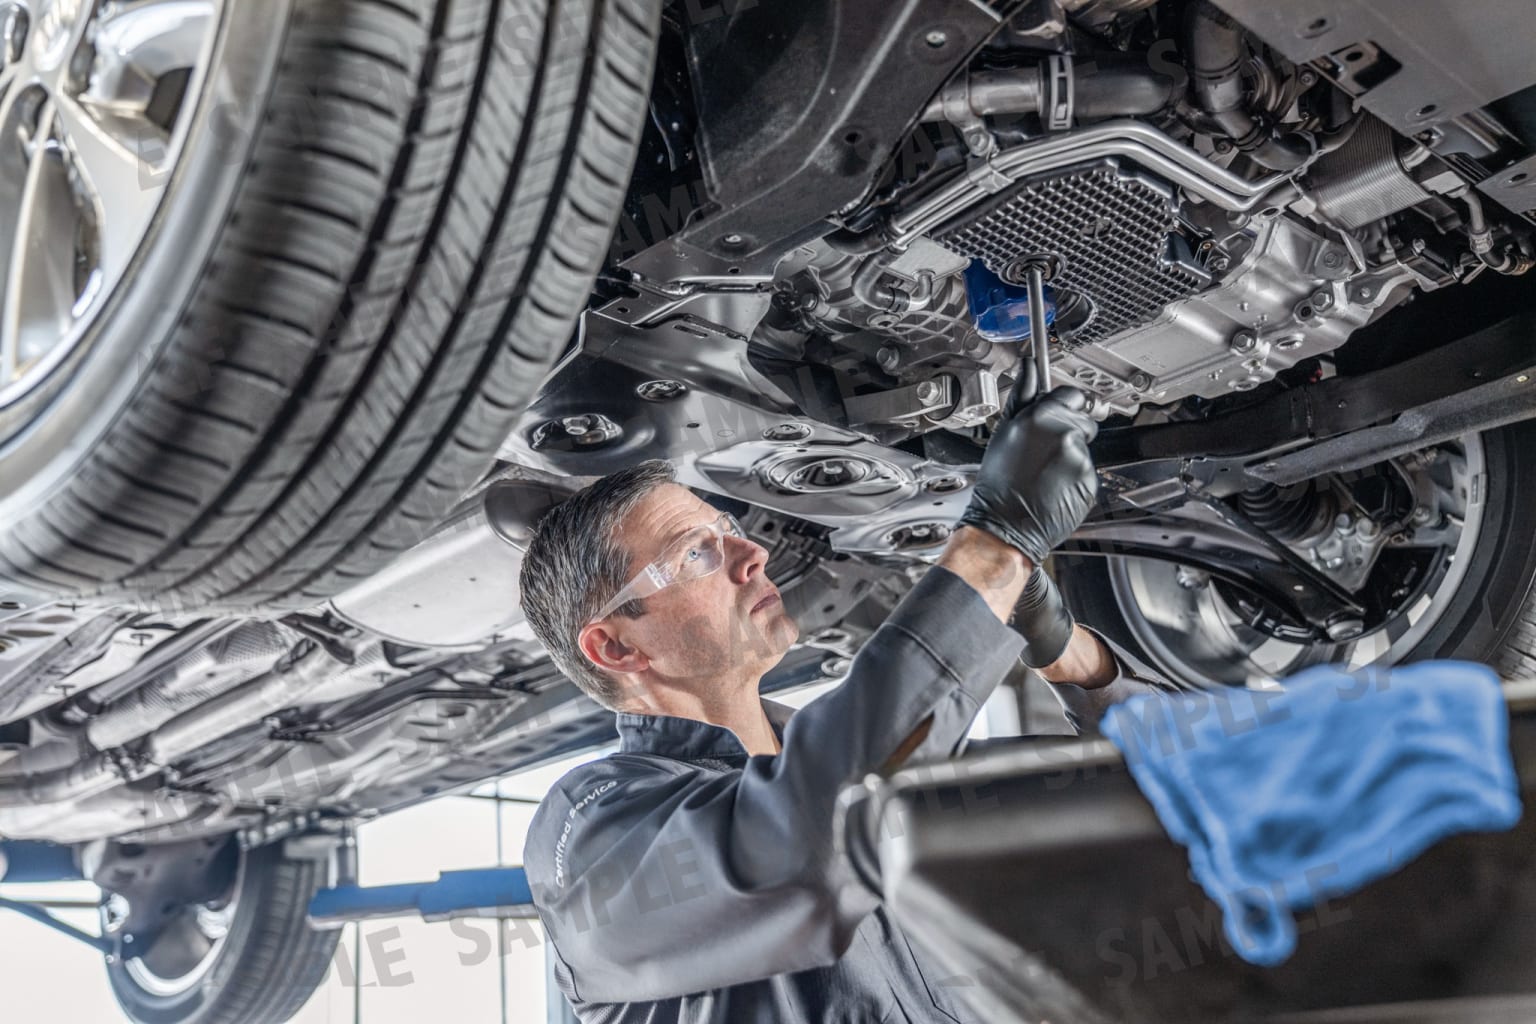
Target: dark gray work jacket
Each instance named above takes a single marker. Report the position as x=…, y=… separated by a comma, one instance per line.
x=680, y=880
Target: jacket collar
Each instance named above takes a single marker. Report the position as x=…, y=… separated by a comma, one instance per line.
x=688, y=739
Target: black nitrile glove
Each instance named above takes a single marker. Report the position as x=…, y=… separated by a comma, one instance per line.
x=1036, y=482
x=1042, y=619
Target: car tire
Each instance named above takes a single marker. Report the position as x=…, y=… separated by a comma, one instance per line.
x=1490, y=618
x=269, y=964
x=384, y=220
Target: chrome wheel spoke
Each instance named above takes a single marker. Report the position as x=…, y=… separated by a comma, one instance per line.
x=138, y=45
x=119, y=188
x=40, y=290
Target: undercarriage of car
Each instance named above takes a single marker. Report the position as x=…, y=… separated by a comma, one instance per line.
x=1282, y=249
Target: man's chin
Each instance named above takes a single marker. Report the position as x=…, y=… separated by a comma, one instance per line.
x=785, y=623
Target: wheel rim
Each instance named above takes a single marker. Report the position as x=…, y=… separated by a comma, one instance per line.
x=184, y=953
x=1195, y=637
x=93, y=104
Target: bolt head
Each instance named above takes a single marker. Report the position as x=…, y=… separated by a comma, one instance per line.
x=1345, y=629
x=1141, y=381
x=936, y=38
x=928, y=391
x=661, y=390
x=1245, y=341
x=576, y=425
x=787, y=432
x=1192, y=579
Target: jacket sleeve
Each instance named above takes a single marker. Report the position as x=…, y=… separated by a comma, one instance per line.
x=1085, y=708
x=655, y=882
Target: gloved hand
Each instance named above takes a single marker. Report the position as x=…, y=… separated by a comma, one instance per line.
x=1036, y=482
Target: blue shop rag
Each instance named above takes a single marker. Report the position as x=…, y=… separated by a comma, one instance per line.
x=1288, y=797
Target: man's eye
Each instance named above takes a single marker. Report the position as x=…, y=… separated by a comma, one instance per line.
x=692, y=555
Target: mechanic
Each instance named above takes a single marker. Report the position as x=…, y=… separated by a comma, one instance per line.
x=691, y=876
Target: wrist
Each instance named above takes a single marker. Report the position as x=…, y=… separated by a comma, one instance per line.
x=1086, y=663
x=993, y=567
x=999, y=560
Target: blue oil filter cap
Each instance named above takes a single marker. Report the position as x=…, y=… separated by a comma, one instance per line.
x=1000, y=310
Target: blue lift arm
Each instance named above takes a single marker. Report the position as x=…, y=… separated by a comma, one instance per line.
x=478, y=892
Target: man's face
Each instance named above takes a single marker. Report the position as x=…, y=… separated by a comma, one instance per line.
x=729, y=625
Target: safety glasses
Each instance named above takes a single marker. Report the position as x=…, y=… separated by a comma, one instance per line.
x=695, y=555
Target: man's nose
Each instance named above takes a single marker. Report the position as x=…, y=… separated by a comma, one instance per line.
x=745, y=558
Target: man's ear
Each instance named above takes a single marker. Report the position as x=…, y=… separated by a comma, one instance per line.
x=605, y=650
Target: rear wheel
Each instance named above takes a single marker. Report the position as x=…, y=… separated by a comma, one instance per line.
x=276, y=278
x=247, y=956
x=1460, y=580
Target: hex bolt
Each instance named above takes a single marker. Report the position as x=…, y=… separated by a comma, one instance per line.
x=1192, y=579
x=1141, y=381
x=1245, y=342
x=889, y=358
x=1333, y=259
x=929, y=392
x=1322, y=300
x=1421, y=514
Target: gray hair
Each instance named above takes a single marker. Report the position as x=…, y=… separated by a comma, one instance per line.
x=574, y=566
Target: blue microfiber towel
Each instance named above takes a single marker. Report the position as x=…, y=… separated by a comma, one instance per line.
x=1288, y=797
